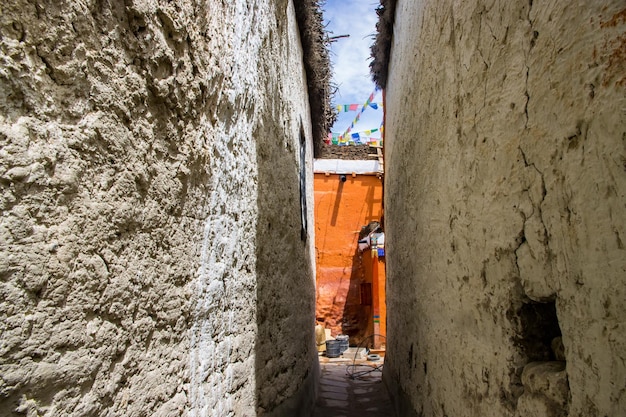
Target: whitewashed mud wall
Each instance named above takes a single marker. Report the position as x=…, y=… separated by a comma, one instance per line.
x=505, y=208
x=151, y=260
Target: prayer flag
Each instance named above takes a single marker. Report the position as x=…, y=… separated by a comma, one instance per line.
x=353, y=107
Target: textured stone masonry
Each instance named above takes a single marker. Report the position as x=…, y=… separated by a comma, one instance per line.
x=151, y=257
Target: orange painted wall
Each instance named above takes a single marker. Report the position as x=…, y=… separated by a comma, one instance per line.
x=341, y=209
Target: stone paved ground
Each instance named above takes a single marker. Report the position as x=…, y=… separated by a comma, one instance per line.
x=341, y=396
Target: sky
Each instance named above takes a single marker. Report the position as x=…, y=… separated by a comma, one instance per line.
x=350, y=59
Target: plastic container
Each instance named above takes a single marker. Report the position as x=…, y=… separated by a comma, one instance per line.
x=345, y=342
x=333, y=348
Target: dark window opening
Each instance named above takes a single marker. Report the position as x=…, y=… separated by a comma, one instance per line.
x=303, y=206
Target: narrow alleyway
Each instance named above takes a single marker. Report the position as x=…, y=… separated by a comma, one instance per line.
x=343, y=396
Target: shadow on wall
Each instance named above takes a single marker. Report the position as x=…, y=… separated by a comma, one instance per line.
x=357, y=312
x=337, y=205
x=286, y=359
x=344, y=204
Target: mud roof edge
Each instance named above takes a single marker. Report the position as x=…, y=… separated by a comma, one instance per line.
x=317, y=65
x=381, y=49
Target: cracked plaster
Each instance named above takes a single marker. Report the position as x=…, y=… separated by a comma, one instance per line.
x=504, y=188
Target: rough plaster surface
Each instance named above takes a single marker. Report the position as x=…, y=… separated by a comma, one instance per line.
x=150, y=248
x=504, y=196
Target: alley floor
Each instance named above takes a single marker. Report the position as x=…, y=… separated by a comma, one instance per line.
x=343, y=396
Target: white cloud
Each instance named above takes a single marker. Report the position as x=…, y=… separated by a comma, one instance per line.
x=351, y=57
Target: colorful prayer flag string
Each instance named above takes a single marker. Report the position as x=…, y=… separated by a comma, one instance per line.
x=358, y=116
x=345, y=108
x=357, y=138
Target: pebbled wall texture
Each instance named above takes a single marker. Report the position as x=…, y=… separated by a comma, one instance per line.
x=505, y=196
x=151, y=254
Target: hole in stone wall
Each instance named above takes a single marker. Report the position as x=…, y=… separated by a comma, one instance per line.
x=540, y=331
x=542, y=383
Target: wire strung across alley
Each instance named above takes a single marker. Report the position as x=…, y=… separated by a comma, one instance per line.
x=351, y=370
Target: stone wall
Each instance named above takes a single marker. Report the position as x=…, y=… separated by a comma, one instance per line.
x=354, y=153
x=151, y=255
x=505, y=217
